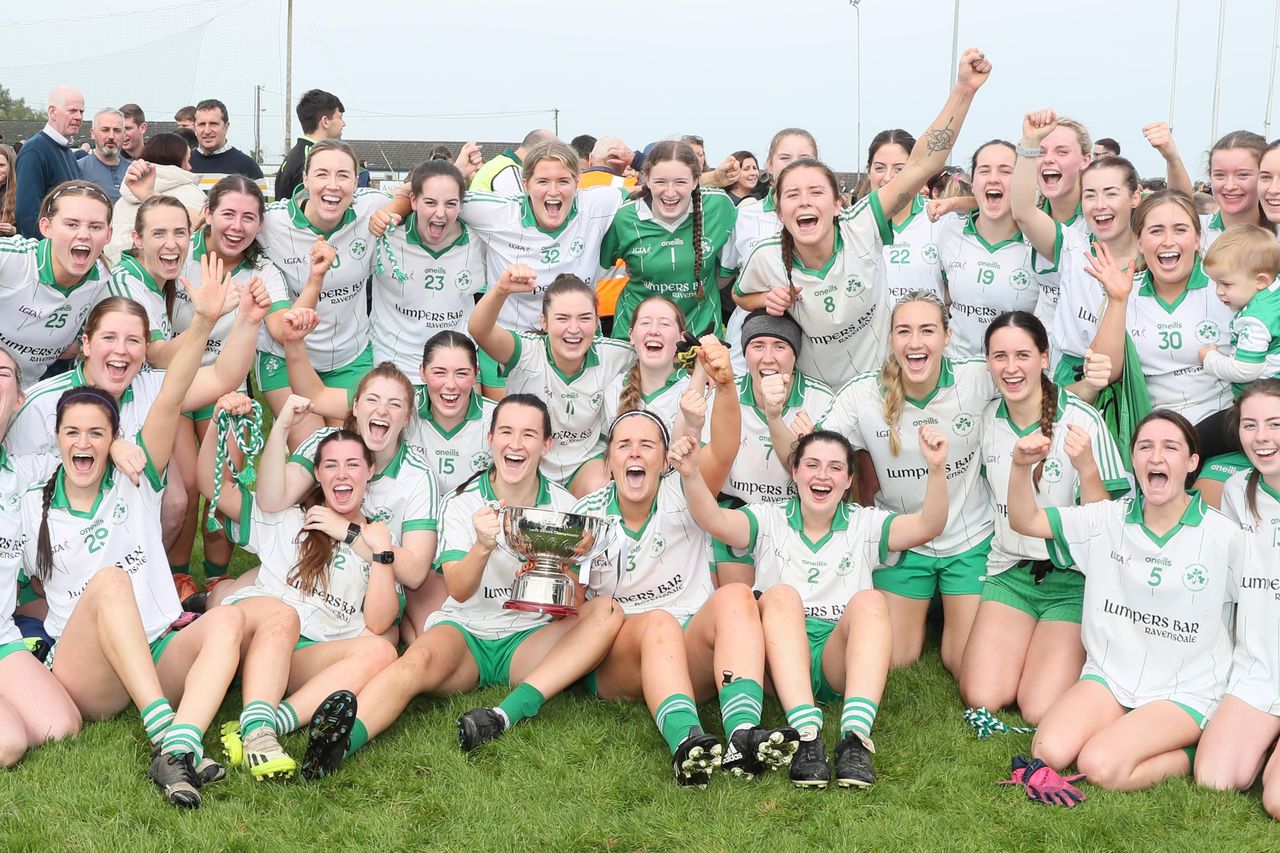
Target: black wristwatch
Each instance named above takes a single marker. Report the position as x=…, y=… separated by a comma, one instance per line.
x=384, y=556
x=353, y=530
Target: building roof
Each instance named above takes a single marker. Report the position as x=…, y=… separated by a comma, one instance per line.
x=401, y=155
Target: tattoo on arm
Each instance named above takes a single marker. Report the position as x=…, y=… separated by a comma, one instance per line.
x=941, y=139
x=898, y=204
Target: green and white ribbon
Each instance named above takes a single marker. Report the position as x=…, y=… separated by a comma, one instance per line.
x=384, y=248
x=987, y=724
x=246, y=431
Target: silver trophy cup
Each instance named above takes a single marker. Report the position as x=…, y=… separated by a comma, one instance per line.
x=547, y=543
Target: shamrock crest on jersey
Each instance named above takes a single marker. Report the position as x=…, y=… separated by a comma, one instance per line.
x=480, y=461
x=1195, y=577
x=577, y=247
x=359, y=248
x=1207, y=332
x=705, y=248
x=596, y=399
x=1019, y=279
x=962, y=424
x=844, y=566
x=852, y=285
x=930, y=253
x=120, y=512
x=382, y=514
x=271, y=365
x=463, y=280
x=1052, y=471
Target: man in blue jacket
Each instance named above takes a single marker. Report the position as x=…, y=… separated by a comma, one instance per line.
x=46, y=159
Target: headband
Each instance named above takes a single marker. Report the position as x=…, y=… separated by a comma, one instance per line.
x=666, y=436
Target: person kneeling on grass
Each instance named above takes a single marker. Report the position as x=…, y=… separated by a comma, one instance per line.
x=814, y=556
x=1160, y=572
x=93, y=539
x=324, y=593
x=472, y=641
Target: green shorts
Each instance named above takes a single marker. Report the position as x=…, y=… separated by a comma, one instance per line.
x=1068, y=371
x=493, y=657
x=304, y=643
x=1191, y=712
x=270, y=373
x=1058, y=598
x=203, y=413
x=26, y=592
x=490, y=372
x=918, y=576
x=9, y=648
x=1220, y=468
x=819, y=631
x=159, y=645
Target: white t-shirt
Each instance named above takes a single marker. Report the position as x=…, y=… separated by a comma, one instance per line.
x=42, y=317
x=1081, y=299
x=1059, y=481
x=287, y=237
x=436, y=295
x=757, y=221
x=453, y=455
x=1255, y=668
x=984, y=280
x=576, y=402
x=826, y=573
x=955, y=409
x=33, y=429
x=122, y=529
x=843, y=307
x=665, y=402
x=17, y=474
x=913, y=262
x=335, y=609
x=1157, y=609
x=512, y=235
x=664, y=566
x=482, y=614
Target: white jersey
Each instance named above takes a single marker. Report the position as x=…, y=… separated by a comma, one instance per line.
x=984, y=280
x=1168, y=338
x=576, y=402
x=913, y=262
x=33, y=428
x=955, y=409
x=664, y=402
x=122, y=529
x=287, y=237
x=843, y=307
x=664, y=566
x=334, y=610
x=184, y=313
x=482, y=614
x=1255, y=668
x=1059, y=481
x=402, y=495
x=1048, y=272
x=17, y=474
x=418, y=292
x=131, y=280
x=42, y=318
x=1081, y=299
x=757, y=221
x=757, y=473
x=826, y=573
x=453, y=455
x=1157, y=609
x=512, y=235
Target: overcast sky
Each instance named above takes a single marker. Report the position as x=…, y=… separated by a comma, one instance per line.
x=731, y=72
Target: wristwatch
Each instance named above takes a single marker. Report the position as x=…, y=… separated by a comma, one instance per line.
x=353, y=530
x=384, y=556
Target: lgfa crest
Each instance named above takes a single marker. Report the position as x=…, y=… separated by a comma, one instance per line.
x=577, y=247
x=463, y=281
x=1195, y=577
x=962, y=424
x=359, y=248
x=844, y=566
x=1019, y=279
x=1052, y=471
x=119, y=513
x=1207, y=332
x=930, y=253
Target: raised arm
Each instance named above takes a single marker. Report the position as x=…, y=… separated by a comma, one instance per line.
x=1037, y=226
x=726, y=415
x=1117, y=281
x=1096, y=376
x=162, y=421
x=730, y=526
x=911, y=531
x=1025, y=515
x=499, y=343
x=327, y=402
x=930, y=152
x=322, y=255
x=1160, y=137
x=1079, y=449
x=238, y=351
x=282, y=483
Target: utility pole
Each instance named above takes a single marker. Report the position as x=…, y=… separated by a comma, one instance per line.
x=257, y=123
x=1271, y=85
x=955, y=59
x=1173, y=74
x=556, y=113
x=1217, y=72
x=288, y=79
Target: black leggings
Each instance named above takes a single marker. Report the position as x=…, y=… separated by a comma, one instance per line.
x=1216, y=438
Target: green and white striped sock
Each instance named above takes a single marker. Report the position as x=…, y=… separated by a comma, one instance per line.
x=286, y=719
x=807, y=720
x=859, y=715
x=156, y=719
x=676, y=717
x=741, y=703
x=256, y=715
x=182, y=738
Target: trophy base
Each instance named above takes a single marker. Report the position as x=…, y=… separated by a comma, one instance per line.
x=540, y=607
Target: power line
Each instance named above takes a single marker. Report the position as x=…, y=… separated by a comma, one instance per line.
x=129, y=14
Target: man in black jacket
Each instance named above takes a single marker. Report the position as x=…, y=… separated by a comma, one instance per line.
x=320, y=114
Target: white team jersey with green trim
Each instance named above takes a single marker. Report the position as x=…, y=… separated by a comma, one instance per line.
x=757, y=473
x=131, y=280
x=17, y=474
x=122, y=529
x=482, y=613
x=184, y=313
x=1168, y=338
x=665, y=566
x=665, y=402
x=335, y=609
x=512, y=235
x=757, y=221
x=576, y=402
x=955, y=409
x=1157, y=609
x=844, y=307
x=1059, y=481
x=984, y=280
x=33, y=428
x=436, y=294
x=41, y=318
x=826, y=573
x=1255, y=667
x=914, y=261
x=402, y=495
x=1081, y=299
x=1048, y=271
x=287, y=238
x=453, y=455
x=1255, y=334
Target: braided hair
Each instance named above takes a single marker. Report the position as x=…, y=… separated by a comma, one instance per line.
x=786, y=238
x=1028, y=323
x=632, y=392
x=680, y=152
